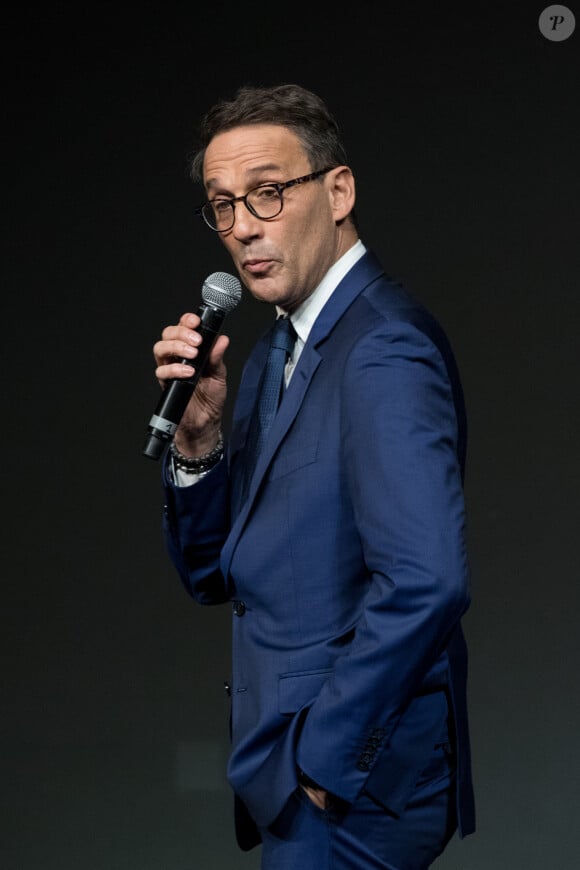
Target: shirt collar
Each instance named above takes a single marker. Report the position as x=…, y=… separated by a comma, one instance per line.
x=305, y=315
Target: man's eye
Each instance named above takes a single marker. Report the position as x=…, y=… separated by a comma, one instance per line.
x=264, y=194
x=220, y=206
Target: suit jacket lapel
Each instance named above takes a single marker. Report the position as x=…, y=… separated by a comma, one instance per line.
x=366, y=270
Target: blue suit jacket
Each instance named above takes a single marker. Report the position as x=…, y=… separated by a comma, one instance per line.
x=347, y=563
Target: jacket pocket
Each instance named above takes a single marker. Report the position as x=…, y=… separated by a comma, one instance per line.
x=295, y=690
x=288, y=461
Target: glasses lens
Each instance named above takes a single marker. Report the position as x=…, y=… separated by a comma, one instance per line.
x=265, y=201
x=219, y=214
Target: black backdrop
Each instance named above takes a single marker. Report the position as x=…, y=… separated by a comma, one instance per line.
x=462, y=129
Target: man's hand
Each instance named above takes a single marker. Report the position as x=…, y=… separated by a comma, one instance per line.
x=199, y=429
x=317, y=795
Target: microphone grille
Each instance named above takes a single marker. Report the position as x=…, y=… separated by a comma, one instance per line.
x=222, y=291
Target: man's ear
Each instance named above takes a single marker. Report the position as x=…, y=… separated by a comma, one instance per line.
x=342, y=192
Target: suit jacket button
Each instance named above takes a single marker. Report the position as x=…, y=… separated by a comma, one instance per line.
x=239, y=608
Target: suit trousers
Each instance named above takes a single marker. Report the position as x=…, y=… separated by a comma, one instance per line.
x=364, y=835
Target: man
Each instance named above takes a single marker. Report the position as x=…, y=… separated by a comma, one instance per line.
x=342, y=549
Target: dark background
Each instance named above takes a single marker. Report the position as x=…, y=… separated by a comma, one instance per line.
x=462, y=129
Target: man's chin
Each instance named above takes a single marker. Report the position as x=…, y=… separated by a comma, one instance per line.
x=265, y=290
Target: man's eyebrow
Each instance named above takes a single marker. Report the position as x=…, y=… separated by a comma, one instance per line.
x=256, y=171
x=252, y=174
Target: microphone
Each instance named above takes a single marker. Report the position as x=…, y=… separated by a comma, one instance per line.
x=220, y=293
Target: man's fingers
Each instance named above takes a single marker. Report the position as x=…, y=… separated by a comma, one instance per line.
x=218, y=350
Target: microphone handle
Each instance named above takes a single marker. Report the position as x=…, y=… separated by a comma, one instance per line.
x=174, y=399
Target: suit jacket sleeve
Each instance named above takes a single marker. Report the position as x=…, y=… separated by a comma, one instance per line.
x=399, y=447
x=196, y=523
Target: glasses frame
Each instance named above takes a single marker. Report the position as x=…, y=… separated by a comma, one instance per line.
x=280, y=187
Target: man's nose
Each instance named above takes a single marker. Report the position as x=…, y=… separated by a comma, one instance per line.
x=246, y=225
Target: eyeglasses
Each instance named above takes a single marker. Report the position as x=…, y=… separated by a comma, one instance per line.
x=264, y=201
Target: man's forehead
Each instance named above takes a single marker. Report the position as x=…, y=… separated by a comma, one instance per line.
x=251, y=150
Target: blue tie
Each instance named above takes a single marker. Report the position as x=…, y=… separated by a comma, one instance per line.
x=281, y=344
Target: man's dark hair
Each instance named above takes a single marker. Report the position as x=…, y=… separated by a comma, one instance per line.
x=287, y=105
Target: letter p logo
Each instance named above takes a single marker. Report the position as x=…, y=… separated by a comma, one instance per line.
x=557, y=23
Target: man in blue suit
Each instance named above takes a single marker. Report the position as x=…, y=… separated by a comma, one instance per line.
x=342, y=550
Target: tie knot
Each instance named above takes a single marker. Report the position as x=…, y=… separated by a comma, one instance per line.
x=283, y=335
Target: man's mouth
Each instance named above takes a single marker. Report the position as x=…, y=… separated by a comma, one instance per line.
x=256, y=266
